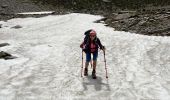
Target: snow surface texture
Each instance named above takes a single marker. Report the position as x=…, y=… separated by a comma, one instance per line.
x=37, y=13
x=48, y=66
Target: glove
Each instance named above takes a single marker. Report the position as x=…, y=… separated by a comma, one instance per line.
x=81, y=45
x=103, y=48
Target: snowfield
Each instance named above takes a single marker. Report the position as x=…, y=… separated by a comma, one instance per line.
x=48, y=63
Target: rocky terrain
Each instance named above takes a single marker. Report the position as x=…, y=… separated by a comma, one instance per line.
x=150, y=20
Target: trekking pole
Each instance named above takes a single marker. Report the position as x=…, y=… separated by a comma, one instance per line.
x=82, y=64
x=105, y=63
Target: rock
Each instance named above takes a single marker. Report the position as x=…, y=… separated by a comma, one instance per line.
x=121, y=12
x=134, y=16
x=152, y=20
x=17, y=27
x=133, y=23
x=0, y=25
x=159, y=31
x=3, y=44
x=106, y=0
x=122, y=16
x=100, y=20
x=166, y=33
x=1, y=10
x=4, y=6
x=9, y=57
x=142, y=22
x=6, y=56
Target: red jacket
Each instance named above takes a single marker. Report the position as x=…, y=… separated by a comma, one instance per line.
x=91, y=46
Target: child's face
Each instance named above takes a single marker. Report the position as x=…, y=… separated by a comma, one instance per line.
x=92, y=37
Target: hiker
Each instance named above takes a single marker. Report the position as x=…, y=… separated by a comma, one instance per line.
x=90, y=46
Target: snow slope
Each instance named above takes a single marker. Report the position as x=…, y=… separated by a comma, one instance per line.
x=48, y=66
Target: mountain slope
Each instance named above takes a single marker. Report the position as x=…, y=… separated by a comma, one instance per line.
x=49, y=61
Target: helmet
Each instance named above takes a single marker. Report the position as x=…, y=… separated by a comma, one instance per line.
x=93, y=33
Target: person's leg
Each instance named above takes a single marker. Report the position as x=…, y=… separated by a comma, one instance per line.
x=95, y=55
x=88, y=58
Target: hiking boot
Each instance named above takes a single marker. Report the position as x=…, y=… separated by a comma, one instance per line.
x=94, y=74
x=85, y=72
x=86, y=69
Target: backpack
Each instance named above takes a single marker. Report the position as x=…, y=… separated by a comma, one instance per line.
x=87, y=34
x=87, y=39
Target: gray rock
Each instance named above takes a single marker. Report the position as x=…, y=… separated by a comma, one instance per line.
x=4, y=6
x=9, y=57
x=122, y=16
x=3, y=44
x=106, y=0
x=142, y=22
x=17, y=27
x=6, y=56
x=152, y=20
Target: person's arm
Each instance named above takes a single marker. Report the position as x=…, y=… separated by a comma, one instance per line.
x=100, y=45
x=83, y=43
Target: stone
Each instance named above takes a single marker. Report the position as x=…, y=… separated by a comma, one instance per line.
x=122, y=16
x=17, y=27
x=4, y=6
x=6, y=56
x=106, y=0
x=3, y=44
x=9, y=57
